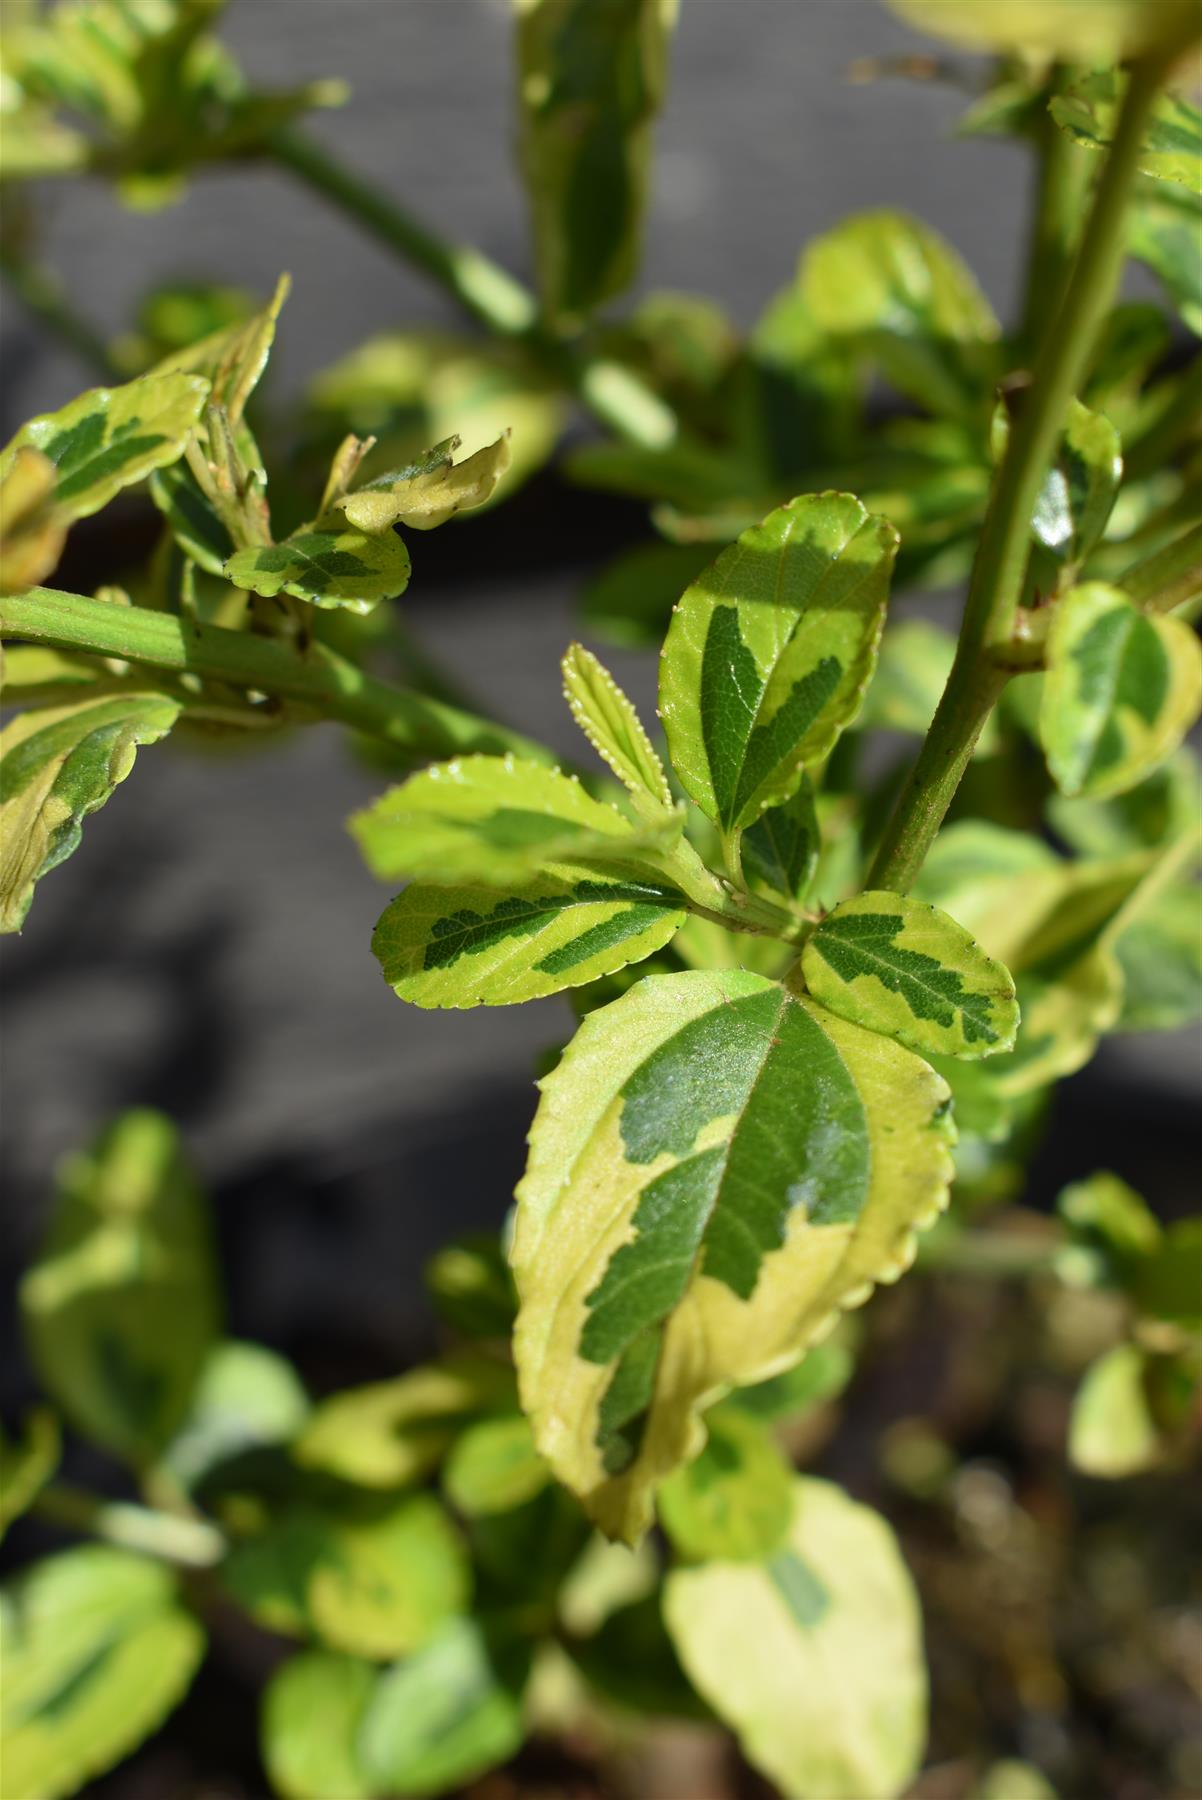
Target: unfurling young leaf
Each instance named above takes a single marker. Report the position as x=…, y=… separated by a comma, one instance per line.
x=717, y=1166
x=770, y=651
x=496, y=821
x=613, y=727
x=32, y=530
x=96, y=1651
x=906, y=969
x=328, y=563
x=813, y=1655
x=471, y=946
x=120, y=1308
x=1172, y=146
x=592, y=79
x=1122, y=689
x=430, y=491
x=56, y=766
x=111, y=437
x=233, y=358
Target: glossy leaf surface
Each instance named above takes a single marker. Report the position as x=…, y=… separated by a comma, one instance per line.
x=827, y=1688
x=96, y=1652
x=329, y=563
x=906, y=969
x=429, y=492
x=1121, y=691
x=769, y=653
x=57, y=765
x=716, y=1168
x=120, y=1307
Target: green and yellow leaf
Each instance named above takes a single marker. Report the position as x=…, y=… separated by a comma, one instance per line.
x=96, y=1651
x=391, y=1433
x=591, y=80
x=780, y=850
x=429, y=492
x=770, y=651
x=57, y=765
x=313, y=1709
x=906, y=969
x=1172, y=145
x=496, y=821
x=470, y=946
x=613, y=727
x=1082, y=31
x=827, y=1689
x=233, y=358
x=328, y=563
x=717, y=1167
x=120, y=1305
x=1121, y=691
x=32, y=530
x=494, y=1467
x=734, y=1502
x=111, y=437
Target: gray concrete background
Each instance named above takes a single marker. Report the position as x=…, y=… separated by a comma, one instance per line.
x=208, y=944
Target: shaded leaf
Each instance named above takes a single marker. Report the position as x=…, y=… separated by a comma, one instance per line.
x=96, y=1652
x=591, y=80
x=1122, y=689
x=1105, y=1214
x=471, y=1286
x=1172, y=145
x=823, y=1374
x=717, y=1167
x=27, y=1465
x=733, y=1502
x=56, y=766
x=1161, y=960
x=494, y=1467
x=111, y=437
x=631, y=601
x=466, y=946
x=613, y=727
x=329, y=563
x=1168, y=1285
x=428, y=493
x=904, y=968
x=393, y=1432
x=32, y=530
x=632, y=1661
x=120, y=1307
x=827, y=1693
x=246, y=1397
x=915, y=662
x=496, y=821
x=197, y=526
x=769, y=652
x=780, y=851
x=444, y=1715
x=903, y=296
x=313, y=1709
x=374, y=1582
x=1163, y=226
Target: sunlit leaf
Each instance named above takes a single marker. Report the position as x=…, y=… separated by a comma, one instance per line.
x=1080, y=488
x=313, y=1708
x=32, y=530
x=591, y=80
x=734, y=1502
x=96, y=1651
x=120, y=1307
x=494, y=1467
x=246, y=1397
x=27, y=1465
x=907, y=969
x=813, y=1656
x=1172, y=146
x=1112, y=1432
x=901, y=295
x=716, y=1168
x=769, y=653
x=470, y=946
x=1081, y=30
x=613, y=727
x=329, y=563
x=232, y=358
x=58, y=764
x=1106, y=1215
x=428, y=493
x=1121, y=691
x=393, y=1432
x=496, y=821
x=374, y=1581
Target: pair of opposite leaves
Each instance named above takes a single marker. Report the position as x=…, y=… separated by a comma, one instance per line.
x=720, y=1162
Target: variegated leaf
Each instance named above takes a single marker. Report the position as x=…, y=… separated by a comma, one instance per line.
x=96, y=1650
x=56, y=766
x=32, y=530
x=391, y=1433
x=1172, y=144
x=232, y=359
x=497, y=821
x=470, y=946
x=826, y=1690
x=329, y=563
x=717, y=1166
x=613, y=727
x=111, y=437
x=780, y=851
x=430, y=491
x=734, y=1502
x=1122, y=689
x=904, y=968
x=591, y=82
x=770, y=651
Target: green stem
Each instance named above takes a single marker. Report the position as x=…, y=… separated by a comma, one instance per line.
x=43, y=296
x=1061, y=185
x=984, y=655
x=1170, y=578
x=190, y=1543
x=613, y=393
x=316, y=677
